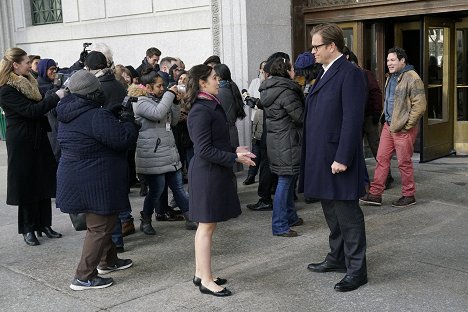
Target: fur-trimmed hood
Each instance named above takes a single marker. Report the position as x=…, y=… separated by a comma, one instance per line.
x=28, y=86
x=136, y=90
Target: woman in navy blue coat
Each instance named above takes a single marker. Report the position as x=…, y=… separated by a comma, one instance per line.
x=92, y=174
x=213, y=192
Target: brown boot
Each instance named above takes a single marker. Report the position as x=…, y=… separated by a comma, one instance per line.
x=128, y=228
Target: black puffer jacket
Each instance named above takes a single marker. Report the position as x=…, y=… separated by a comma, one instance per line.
x=283, y=104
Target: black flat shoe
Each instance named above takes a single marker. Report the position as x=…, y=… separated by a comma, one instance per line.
x=326, y=266
x=30, y=239
x=218, y=281
x=48, y=232
x=349, y=283
x=222, y=293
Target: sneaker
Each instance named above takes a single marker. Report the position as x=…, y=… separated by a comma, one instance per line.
x=404, y=201
x=121, y=264
x=369, y=199
x=97, y=282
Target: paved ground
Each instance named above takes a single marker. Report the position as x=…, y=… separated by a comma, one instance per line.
x=417, y=258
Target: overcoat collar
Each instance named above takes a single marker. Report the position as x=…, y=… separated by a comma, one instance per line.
x=335, y=67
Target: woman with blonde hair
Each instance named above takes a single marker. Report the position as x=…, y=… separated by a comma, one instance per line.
x=31, y=164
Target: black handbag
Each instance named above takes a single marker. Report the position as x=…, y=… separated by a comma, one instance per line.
x=79, y=221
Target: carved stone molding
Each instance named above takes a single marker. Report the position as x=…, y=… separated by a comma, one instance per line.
x=328, y=3
x=216, y=26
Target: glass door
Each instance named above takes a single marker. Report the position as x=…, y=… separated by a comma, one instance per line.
x=461, y=95
x=438, y=69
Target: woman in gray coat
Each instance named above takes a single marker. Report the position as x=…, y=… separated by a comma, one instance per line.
x=156, y=153
x=283, y=106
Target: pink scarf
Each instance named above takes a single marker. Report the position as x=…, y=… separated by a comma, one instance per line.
x=207, y=96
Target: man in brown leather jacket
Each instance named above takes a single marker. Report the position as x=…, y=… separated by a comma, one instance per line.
x=405, y=102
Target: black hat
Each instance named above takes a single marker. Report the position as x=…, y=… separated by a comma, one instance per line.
x=133, y=71
x=96, y=60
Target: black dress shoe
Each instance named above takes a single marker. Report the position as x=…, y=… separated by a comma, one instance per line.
x=349, y=283
x=30, y=239
x=310, y=200
x=222, y=293
x=326, y=266
x=48, y=232
x=261, y=206
x=218, y=281
x=249, y=180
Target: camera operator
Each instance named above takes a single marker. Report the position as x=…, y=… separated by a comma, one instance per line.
x=156, y=154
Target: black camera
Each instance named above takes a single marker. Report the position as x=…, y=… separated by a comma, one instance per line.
x=85, y=51
x=59, y=79
x=249, y=100
x=127, y=103
x=86, y=44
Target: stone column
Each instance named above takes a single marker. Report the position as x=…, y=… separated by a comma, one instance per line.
x=245, y=32
x=6, y=26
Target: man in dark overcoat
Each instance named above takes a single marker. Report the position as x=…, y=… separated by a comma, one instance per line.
x=332, y=167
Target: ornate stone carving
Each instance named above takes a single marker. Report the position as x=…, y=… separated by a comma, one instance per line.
x=216, y=26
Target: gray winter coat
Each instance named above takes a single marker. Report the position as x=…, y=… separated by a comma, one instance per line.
x=156, y=151
x=283, y=104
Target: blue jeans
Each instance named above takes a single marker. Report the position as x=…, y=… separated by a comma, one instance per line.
x=284, y=212
x=117, y=237
x=156, y=183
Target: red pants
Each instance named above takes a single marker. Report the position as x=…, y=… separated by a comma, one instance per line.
x=402, y=143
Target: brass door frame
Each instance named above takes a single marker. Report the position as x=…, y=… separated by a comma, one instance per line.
x=460, y=127
x=437, y=133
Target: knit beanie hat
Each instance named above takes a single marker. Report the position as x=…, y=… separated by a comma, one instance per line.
x=304, y=60
x=43, y=66
x=83, y=82
x=96, y=60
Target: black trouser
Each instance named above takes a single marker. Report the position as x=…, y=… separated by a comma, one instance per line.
x=266, y=178
x=253, y=170
x=347, y=235
x=33, y=216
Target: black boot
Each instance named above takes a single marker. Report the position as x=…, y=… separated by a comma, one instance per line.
x=250, y=180
x=189, y=225
x=145, y=225
x=48, y=232
x=30, y=239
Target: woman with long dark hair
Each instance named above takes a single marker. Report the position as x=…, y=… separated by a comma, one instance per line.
x=213, y=195
x=31, y=163
x=231, y=101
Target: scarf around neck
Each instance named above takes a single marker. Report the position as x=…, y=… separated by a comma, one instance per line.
x=28, y=86
x=207, y=96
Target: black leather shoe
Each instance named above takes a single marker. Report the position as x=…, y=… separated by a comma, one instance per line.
x=30, y=239
x=310, y=200
x=349, y=283
x=326, y=266
x=260, y=206
x=222, y=293
x=48, y=232
x=218, y=281
x=249, y=180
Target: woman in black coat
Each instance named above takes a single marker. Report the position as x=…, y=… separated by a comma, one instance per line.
x=231, y=101
x=213, y=196
x=283, y=106
x=92, y=174
x=31, y=164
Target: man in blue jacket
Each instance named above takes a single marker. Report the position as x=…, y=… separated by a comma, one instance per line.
x=332, y=157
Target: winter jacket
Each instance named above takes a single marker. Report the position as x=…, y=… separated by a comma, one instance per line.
x=283, y=105
x=31, y=164
x=113, y=90
x=409, y=100
x=93, y=171
x=156, y=151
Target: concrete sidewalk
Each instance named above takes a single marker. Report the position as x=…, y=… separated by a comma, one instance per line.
x=417, y=258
